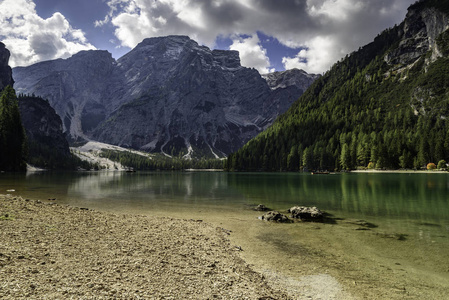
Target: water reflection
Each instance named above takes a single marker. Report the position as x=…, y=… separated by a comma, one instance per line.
x=419, y=197
x=416, y=196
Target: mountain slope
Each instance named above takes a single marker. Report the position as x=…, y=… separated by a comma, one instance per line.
x=167, y=95
x=387, y=103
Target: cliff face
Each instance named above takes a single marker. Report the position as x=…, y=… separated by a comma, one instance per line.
x=43, y=126
x=75, y=87
x=286, y=86
x=418, y=36
x=5, y=69
x=167, y=95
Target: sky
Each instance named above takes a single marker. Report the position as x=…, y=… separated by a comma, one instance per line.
x=271, y=35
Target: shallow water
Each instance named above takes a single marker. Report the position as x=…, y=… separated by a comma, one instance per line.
x=405, y=254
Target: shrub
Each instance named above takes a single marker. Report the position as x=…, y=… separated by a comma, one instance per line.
x=371, y=165
x=442, y=164
x=431, y=166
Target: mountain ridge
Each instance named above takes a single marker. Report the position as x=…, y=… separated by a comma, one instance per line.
x=168, y=94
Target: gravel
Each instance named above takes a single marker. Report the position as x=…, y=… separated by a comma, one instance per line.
x=57, y=252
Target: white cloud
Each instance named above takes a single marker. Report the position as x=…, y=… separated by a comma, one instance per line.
x=318, y=55
x=252, y=54
x=31, y=38
x=328, y=29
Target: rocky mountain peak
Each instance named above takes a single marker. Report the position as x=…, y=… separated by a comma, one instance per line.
x=292, y=77
x=419, y=32
x=168, y=94
x=5, y=69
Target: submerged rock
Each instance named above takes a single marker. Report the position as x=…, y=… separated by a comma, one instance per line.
x=275, y=216
x=261, y=207
x=306, y=213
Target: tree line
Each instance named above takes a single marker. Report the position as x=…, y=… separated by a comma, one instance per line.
x=159, y=161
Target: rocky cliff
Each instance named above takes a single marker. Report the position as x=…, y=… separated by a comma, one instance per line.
x=167, y=95
x=5, y=69
x=43, y=126
x=286, y=86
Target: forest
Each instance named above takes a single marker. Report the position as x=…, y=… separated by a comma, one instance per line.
x=361, y=113
x=13, y=143
x=159, y=161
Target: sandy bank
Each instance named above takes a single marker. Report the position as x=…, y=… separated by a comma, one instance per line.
x=53, y=251
x=401, y=171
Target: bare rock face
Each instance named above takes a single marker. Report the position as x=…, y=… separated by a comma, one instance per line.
x=286, y=86
x=75, y=88
x=5, y=69
x=167, y=95
x=419, y=34
x=43, y=126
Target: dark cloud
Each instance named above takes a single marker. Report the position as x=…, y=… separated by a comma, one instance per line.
x=45, y=45
x=328, y=29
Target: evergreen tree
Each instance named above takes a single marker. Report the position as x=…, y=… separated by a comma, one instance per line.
x=12, y=135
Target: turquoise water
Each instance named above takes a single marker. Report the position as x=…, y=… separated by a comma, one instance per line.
x=414, y=205
x=403, y=199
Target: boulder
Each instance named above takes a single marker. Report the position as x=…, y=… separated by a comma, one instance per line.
x=275, y=216
x=261, y=207
x=306, y=213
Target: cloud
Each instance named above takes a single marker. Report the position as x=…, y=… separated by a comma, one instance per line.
x=31, y=38
x=328, y=29
x=252, y=54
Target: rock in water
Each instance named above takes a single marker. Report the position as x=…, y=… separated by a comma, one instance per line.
x=275, y=216
x=306, y=213
x=261, y=207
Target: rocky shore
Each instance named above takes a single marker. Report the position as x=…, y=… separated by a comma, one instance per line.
x=50, y=251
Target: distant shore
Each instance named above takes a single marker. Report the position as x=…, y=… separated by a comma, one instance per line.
x=401, y=171
x=53, y=251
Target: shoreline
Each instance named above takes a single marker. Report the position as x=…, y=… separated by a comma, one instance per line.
x=54, y=251
x=401, y=171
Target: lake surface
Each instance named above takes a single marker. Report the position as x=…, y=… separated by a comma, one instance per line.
x=404, y=254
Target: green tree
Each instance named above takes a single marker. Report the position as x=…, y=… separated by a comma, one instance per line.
x=307, y=159
x=442, y=164
x=345, y=157
x=12, y=135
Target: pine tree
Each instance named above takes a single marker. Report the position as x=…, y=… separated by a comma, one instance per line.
x=12, y=134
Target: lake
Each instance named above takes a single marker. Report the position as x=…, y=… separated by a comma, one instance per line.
x=387, y=235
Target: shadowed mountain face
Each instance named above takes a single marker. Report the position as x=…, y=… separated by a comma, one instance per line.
x=5, y=69
x=168, y=95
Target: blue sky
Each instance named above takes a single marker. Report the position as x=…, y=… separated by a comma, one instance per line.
x=269, y=34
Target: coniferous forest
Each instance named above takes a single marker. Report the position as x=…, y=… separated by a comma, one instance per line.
x=364, y=112
x=13, y=146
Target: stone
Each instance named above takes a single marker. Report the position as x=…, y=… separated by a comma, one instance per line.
x=306, y=213
x=275, y=216
x=261, y=207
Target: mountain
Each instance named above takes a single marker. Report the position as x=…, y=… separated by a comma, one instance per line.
x=384, y=106
x=12, y=135
x=5, y=69
x=167, y=95
x=47, y=145
x=30, y=130
x=287, y=86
